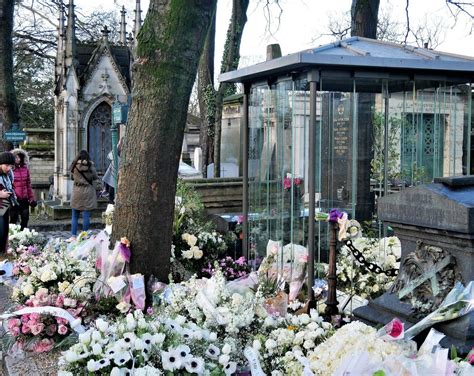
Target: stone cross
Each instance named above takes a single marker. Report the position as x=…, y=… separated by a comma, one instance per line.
x=429, y=274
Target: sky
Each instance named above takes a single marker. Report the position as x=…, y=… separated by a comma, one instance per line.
x=302, y=23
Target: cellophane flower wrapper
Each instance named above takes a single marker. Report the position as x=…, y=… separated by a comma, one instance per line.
x=137, y=290
x=459, y=302
x=110, y=264
x=392, y=331
x=88, y=246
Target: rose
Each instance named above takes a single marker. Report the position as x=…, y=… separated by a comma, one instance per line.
x=395, y=329
x=62, y=329
x=43, y=346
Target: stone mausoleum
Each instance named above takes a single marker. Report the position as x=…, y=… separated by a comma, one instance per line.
x=88, y=79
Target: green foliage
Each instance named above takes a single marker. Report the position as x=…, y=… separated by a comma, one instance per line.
x=377, y=163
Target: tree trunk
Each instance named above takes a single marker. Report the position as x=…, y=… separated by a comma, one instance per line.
x=170, y=43
x=230, y=61
x=8, y=104
x=364, y=17
x=206, y=98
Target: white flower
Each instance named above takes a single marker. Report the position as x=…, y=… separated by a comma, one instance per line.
x=230, y=368
x=157, y=339
x=191, y=240
x=170, y=360
x=213, y=352
x=123, y=307
x=102, y=363
x=184, y=352
x=224, y=359
x=121, y=358
x=28, y=290
x=226, y=349
x=270, y=344
x=71, y=356
x=85, y=338
x=102, y=325
x=213, y=337
x=187, y=254
x=256, y=344
x=91, y=366
x=195, y=365
x=139, y=344
x=96, y=349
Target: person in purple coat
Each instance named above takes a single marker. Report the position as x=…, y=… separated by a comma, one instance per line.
x=23, y=189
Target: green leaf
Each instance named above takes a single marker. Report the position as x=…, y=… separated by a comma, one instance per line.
x=380, y=372
x=454, y=352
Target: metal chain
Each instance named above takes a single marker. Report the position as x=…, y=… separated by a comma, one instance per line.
x=369, y=265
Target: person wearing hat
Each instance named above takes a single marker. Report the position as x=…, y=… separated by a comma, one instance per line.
x=7, y=196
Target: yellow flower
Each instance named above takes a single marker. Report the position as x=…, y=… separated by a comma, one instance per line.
x=291, y=327
x=125, y=241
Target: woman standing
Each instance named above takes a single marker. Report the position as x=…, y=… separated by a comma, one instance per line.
x=84, y=198
x=23, y=189
x=7, y=196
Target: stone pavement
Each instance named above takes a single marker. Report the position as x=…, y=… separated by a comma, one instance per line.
x=31, y=364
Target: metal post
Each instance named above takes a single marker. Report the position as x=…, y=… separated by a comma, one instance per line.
x=245, y=171
x=313, y=78
x=114, y=132
x=331, y=302
x=385, y=142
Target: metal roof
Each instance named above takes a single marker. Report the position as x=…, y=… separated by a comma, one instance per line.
x=372, y=58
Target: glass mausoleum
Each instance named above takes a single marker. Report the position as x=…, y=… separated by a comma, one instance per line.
x=342, y=125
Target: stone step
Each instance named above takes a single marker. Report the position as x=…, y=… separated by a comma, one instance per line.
x=57, y=210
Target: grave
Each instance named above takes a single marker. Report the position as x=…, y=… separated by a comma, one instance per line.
x=435, y=224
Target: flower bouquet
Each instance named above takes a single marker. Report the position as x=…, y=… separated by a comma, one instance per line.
x=26, y=240
x=232, y=269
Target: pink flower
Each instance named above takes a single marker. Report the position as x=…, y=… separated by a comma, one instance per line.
x=43, y=346
x=149, y=310
x=26, y=269
x=37, y=328
x=16, y=270
x=287, y=183
x=12, y=323
x=297, y=181
x=470, y=357
x=61, y=321
x=59, y=301
x=98, y=263
x=62, y=329
x=240, y=261
x=395, y=328
x=25, y=318
x=15, y=331
x=25, y=329
x=34, y=317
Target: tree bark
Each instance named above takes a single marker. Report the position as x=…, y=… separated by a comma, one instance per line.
x=206, y=98
x=170, y=43
x=230, y=61
x=364, y=17
x=8, y=103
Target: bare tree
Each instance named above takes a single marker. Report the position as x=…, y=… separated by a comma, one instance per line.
x=170, y=43
x=8, y=103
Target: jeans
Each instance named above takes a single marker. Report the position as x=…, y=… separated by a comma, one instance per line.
x=86, y=216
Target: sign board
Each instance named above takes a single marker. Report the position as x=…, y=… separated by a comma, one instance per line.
x=119, y=113
x=15, y=136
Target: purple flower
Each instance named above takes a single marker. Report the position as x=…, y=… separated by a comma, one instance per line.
x=334, y=215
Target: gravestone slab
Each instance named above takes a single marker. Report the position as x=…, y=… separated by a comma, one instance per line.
x=435, y=225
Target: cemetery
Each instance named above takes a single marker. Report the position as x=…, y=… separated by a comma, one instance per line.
x=335, y=238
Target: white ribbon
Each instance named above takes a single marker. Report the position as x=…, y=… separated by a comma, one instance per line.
x=54, y=311
x=252, y=356
x=305, y=363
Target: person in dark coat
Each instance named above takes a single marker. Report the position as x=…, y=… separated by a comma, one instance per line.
x=23, y=189
x=84, y=197
x=7, y=196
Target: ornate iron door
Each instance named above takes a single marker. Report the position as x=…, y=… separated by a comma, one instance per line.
x=99, y=137
x=422, y=147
